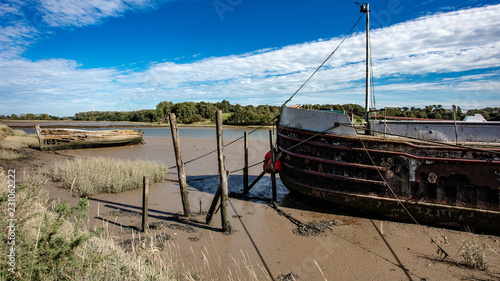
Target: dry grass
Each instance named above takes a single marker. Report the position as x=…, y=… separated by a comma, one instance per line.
x=473, y=255
x=93, y=175
x=13, y=140
x=99, y=257
x=9, y=154
x=208, y=265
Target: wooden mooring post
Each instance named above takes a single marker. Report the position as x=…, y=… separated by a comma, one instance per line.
x=145, y=196
x=245, y=168
x=226, y=226
x=273, y=162
x=180, y=165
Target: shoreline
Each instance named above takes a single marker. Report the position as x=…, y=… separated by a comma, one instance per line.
x=23, y=124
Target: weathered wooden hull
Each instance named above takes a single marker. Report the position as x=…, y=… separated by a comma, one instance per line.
x=51, y=139
x=442, y=185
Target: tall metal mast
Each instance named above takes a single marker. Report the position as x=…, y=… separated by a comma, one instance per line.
x=366, y=9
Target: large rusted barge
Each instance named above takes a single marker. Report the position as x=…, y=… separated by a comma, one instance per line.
x=434, y=172
x=71, y=138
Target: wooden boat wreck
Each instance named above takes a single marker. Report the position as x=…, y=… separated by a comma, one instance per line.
x=444, y=173
x=72, y=138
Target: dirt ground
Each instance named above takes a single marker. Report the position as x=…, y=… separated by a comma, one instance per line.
x=297, y=242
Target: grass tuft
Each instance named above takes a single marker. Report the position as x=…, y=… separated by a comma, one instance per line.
x=473, y=255
x=93, y=175
x=9, y=155
x=12, y=140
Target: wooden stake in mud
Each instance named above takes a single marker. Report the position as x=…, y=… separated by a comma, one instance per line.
x=245, y=169
x=145, y=196
x=211, y=211
x=273, y=161
x=180, y=165
x=226, y=226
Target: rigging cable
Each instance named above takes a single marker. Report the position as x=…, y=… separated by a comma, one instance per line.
x=317, y=69
x=440, y=251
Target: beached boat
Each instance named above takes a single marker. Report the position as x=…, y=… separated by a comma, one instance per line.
x=433, y=172
x=72, y=138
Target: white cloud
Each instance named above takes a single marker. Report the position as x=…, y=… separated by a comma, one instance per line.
x=419, y=59
x=81, y=13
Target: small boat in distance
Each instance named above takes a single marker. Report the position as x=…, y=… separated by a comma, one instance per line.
x=72, y=138
x=444, y=173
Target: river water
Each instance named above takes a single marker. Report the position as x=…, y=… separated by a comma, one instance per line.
x=189, y=132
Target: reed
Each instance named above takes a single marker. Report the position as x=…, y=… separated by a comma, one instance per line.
x=86, y=176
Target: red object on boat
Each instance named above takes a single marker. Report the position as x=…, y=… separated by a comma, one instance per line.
x=267, y=162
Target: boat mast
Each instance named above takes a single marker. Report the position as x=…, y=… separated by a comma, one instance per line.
x=366, y=9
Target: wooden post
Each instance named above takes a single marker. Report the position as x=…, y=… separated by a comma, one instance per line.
x=226, y=226
x=180, y=165
x=145, y=196
x=273, y=161
x=245, y=169
x=211, y=211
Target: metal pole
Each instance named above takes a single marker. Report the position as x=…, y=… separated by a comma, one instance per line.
x=455, y=121
x=367, y=90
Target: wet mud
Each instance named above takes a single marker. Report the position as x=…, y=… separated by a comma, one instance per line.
x=318, y=245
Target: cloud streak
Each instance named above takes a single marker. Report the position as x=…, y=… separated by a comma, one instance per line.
x=433, y=55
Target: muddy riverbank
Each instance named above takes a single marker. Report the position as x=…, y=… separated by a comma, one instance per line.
x=267, y=242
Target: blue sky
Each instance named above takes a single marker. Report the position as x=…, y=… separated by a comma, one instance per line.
x=66, y=56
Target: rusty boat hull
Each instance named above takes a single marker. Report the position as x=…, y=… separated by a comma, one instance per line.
x=445, y=185
x=53, y=139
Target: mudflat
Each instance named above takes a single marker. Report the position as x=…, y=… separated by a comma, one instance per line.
x=298, y=240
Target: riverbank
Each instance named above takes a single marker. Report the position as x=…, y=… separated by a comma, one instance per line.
x=265, y=242
x=23, y=124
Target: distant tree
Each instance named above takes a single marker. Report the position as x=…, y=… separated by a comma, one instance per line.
x=184, y=111
x=225, y=106
x=162, y=109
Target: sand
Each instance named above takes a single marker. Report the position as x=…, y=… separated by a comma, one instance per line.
x=265, y=242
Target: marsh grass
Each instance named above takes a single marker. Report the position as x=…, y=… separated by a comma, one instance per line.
x=48, y=246
x=86, y=176
x=53, y=243
x=13, y=140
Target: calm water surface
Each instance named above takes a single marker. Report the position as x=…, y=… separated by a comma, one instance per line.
x=190, y=133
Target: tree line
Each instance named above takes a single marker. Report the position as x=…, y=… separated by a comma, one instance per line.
x=192, y=112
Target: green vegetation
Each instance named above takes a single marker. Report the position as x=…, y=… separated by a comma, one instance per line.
x=92, y=175
x=47, y=246
x=13, y=140
x=204, y=112
x=50, y=241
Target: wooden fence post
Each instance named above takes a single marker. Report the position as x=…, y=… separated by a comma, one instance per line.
x=226, y=226
x=245, y=168
x=145, y=196
x=180, y=165
x=273, y=161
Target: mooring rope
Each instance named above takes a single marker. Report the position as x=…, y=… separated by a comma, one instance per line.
x=228, y=144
